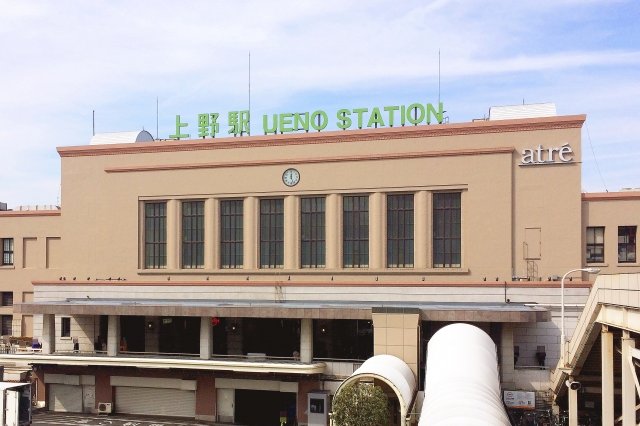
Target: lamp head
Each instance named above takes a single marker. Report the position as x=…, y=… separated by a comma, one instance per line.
x=592, y=270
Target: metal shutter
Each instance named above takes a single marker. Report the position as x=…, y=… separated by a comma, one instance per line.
x=65, y=398
x=155, y=401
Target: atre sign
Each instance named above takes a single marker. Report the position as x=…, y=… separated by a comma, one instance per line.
x=551, y=155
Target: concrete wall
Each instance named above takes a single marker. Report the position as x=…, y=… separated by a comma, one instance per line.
x=612, y=210
x=36, y=256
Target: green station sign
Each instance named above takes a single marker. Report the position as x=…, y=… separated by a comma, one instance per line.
x=238, y=122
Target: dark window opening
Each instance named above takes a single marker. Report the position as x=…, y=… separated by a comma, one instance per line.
x=7, y=251
x=193, y=234
x=343, y=339
x=355, y=231
x=312, y=232
x=447, y=230
x=7, y=329
x=65, y=327
x=155, y=235
x=7, y=298
x=400, y=231
x=179, y=335
x=231, y=234
x=627, y=244
x=272, y=233
x=595, y=244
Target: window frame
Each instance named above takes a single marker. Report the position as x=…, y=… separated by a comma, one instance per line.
x=232, y=236
x=158, y=245
x=8, y=252
x=3, y=320
x=629, y=246
x=313, y=232
x=7, y=298
x=65, y=327
x=271, y=230
x=400, y=240
x=355, y=231
x=592, y=246
x=450, y=243
x=192, y=234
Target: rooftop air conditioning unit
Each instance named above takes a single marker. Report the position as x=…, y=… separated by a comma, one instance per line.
x=104, y=408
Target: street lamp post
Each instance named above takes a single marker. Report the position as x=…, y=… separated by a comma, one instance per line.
x=563, y=342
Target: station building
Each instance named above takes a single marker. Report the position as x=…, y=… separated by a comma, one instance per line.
x=243, y=279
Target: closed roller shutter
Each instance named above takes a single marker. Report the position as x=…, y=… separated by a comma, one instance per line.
x=65, y=398
x=155, y=401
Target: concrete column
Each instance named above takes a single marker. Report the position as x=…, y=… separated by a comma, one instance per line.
x=173, y=234
x=206, y=338
x=211, y=258
x=306, y=340
x=113, y=336
x=333, y=230
x=573, y=406
x=421, y=229
x=291, y=232
x=250, y=224
x=48, y=334
x=507, y=366
x=628, y=385
x=606, y=338
x=377, y=230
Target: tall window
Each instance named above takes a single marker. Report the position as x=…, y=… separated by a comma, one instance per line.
x=7, y=251
x=355, y=231
x=272, y=233
x=65, y=327
x=595, y=244
x=192, y=234
x=312, y=232
x=446, y=230
x=231, y=236
x=155, y=235
x=627, y=244
x=400, y=230
x=6, y=325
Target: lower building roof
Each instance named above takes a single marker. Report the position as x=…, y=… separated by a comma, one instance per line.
x=430, y=311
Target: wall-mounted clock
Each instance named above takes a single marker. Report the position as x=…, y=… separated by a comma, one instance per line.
x=291, y=177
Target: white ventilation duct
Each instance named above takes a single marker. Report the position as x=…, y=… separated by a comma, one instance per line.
x=462, y=386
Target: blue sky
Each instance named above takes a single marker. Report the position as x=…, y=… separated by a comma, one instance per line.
x=63, y=59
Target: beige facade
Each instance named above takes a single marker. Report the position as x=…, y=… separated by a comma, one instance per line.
x=522, y=224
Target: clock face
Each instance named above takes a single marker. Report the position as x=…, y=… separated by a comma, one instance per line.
x=291, y=177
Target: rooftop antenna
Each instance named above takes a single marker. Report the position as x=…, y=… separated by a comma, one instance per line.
x=438, y=76
x=249, y=129
x=93, y=113
x=157, y=115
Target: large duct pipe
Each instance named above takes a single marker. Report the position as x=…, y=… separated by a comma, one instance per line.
x=462, y=386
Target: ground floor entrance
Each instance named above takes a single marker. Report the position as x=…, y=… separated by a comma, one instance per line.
x=265, y=408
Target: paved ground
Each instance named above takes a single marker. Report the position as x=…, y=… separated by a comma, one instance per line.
x=46, y=419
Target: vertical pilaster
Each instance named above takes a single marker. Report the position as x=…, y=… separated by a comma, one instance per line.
x=606, y=340
x=628, y=385
x=206, y=338
x=113, y=336
x=291, y=232
x=173, y=234
x=306, y=340
x=250, y=224
x=333, y=229
x=420, y=231
x=507, y=366
x=573, y=406
x=48, y=333
x=377, y=241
